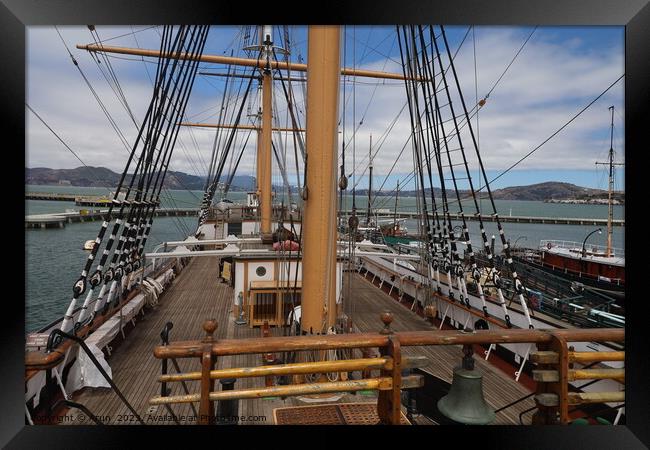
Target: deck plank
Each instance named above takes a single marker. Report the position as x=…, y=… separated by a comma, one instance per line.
x=194, y=296
x=499, y=388
x=197, y=294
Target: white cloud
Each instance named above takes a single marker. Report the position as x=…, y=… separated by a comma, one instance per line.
x=549, y=82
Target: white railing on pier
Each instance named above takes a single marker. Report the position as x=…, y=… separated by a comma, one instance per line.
x=577, y=246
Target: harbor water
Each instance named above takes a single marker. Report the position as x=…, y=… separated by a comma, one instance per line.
x=54, y=257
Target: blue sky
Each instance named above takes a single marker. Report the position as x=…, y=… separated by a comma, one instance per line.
x=559, y=71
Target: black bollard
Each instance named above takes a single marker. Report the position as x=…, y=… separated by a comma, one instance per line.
x=228, y=410
x=409, y=399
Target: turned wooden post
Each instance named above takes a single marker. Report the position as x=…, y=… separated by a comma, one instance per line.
x=268, y=358
x=561, y=388
x=389, y=405
x=387, y=319
x=552, y=376
x=546, y=414
x=206, y=407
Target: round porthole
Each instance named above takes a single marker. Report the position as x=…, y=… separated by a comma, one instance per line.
x=260, y=271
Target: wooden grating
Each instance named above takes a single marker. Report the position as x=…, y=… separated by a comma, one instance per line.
x=334, y=414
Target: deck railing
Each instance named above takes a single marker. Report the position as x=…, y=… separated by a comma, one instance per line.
x=552, y=397
x=577, y=246
x=244, y=212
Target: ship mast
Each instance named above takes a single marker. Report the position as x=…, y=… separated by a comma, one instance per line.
x=610, y=213
x=264, y=135
x=319, y=220
x=395, y=213
x=369, y=183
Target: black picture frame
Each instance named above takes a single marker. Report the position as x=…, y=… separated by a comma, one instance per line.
x=15, y=15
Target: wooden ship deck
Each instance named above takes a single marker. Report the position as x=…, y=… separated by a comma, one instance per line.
x=198, y=294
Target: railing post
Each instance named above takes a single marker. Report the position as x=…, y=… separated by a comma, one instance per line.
x=552, y=378
x=546, y=414
x=268, y=358
x=561, y=388
x=206, y=407
x=389, y=403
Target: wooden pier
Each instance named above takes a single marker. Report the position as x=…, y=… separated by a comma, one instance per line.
x=502, y=218
x=50, y=196
x=79, y=200
x=58, y=220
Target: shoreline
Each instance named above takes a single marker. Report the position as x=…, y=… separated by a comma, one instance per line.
x=591, y=201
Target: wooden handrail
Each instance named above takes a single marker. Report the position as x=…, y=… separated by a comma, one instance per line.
x=578, y=398
x=284, y=369
x=597, y=374
x=552, y=394
x=380, y=384
x=349, y=365
x=230, y=347
x=589, y=357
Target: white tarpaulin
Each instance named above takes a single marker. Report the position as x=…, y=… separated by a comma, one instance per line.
x=34, y=386
x=105, y=334
x=132, y=308
x=84, y=373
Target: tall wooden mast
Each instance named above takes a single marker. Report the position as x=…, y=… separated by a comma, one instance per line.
x=264, y=151
x=319, y=220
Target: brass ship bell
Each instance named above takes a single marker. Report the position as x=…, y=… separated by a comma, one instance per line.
x=465, y=403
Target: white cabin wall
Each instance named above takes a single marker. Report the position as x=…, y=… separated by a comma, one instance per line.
x=251, y=227
x=253, y=276
x=239, y=278
x=210, y=232
x=291, y=276
x=287, y=225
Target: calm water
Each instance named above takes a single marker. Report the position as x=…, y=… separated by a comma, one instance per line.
x=54, y=257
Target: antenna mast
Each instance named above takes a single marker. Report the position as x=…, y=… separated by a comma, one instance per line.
x=369, y=183
x=610, y=213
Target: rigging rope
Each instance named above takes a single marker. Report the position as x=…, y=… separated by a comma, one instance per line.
x=161, y=120
x=510, y=64
x=419, y=60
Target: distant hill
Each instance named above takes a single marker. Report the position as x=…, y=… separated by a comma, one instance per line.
x=550, y=190
x=103, y=177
